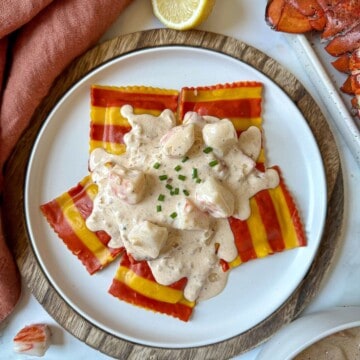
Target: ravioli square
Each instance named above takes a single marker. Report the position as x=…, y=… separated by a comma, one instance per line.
x=108, y=126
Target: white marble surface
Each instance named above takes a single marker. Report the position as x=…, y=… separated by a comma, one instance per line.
x=243, y=20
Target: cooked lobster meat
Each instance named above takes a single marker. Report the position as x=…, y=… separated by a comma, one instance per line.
x=295, y=16
x=344, y=42
x=341, y=15
x=338, y=21
x=32, y=340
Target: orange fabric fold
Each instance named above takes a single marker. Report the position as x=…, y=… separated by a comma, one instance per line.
x=38, y=39
x=41, y=51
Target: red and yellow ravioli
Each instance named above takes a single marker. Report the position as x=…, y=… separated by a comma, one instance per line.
x=68, y=212
x=67, y=215
x=240, y=102
x=274, y=224
x=135, y=284
x=108, y=126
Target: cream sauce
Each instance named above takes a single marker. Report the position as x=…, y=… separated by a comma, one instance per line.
x=167, y=199
x=344, y=345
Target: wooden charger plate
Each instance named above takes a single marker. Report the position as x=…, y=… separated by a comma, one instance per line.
x=49, y=298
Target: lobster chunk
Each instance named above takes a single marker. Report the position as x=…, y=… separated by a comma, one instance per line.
x=354, y=66
x=293, y=16
x=342, y=63
x=339, y=22
x=312, y=10
x=32, y=340
x=354, y=60
x=347, y=86
x=355, y=82
x=347, y=42
x=341, y=15
x=355, y=102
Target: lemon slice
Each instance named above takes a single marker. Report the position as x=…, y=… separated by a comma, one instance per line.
x=182, y=14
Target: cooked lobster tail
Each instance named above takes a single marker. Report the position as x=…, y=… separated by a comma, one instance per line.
x=339, y=24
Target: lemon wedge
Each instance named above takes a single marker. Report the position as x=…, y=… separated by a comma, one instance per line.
x=182, y=14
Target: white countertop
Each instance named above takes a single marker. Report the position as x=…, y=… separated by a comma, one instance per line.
x=244, y=20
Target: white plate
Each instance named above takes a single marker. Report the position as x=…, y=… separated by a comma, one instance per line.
x=256, y=289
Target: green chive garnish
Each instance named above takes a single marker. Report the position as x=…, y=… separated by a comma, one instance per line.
x=161, y=197
x=173, y=215
x=182, y=177
x=213, y=163
x=168, y=186
x=163, y=177
x=158, y=208
x=156, y=165
x=184, y=159
x=194, y=173
x=177, y=168
x=186, y=193
x=207, y=150
x=198, y=181
x=174, y=192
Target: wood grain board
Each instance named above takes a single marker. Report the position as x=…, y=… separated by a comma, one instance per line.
x=15, y=226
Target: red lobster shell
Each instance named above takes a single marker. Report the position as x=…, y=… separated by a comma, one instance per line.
x=339, y=24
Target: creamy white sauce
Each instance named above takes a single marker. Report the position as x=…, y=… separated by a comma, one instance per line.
x=167, y=199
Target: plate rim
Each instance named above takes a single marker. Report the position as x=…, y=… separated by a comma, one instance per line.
x=67, y=296
x=170, y=36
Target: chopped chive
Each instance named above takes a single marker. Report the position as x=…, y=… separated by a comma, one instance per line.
x=195, y=173
x=168, y=186
x=213, y=163
x=182, y=177
x=163, y=177
x=177, y=168
x=198, y=181
x=156, y=165
x=186, y=193
x=207, y=150
x=158, y=208
x=184, y=159
x=161, y=197
x=174, y=192
x=173, y=215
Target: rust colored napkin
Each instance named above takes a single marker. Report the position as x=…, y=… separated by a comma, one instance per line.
x=38, y=39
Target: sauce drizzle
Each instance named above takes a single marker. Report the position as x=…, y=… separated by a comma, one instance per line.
x=167, y=199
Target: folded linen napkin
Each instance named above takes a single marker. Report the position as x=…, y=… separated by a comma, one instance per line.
x=38, y=39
